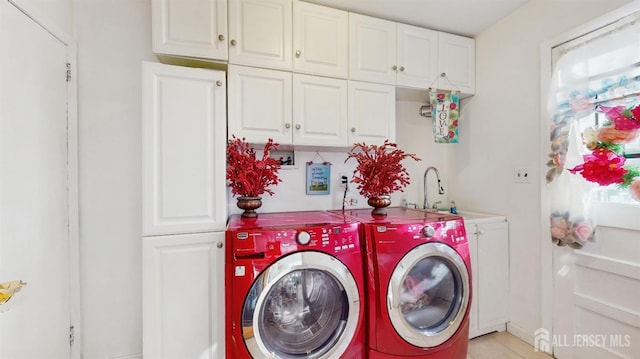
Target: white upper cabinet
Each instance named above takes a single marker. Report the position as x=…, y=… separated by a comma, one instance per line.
x=372, y=49
x=392, y=53
x=184, y=145
x=457, y=57
x=320, y=40
x=319, y=111
x=291, y=109
x=372, y=113
x=190, y=28
x=260, y=33
x=260, y=103
x=417, y=57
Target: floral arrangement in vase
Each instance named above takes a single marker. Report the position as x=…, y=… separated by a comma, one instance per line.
x=605, y=165
x=249, y=177
x=379, y=172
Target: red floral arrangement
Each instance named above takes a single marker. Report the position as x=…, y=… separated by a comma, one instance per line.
x=247, y=175
x=379, y=171
x=605, y=165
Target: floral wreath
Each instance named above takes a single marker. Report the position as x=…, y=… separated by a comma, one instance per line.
x=605, y=165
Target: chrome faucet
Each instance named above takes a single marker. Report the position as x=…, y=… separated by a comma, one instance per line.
x=425, y=205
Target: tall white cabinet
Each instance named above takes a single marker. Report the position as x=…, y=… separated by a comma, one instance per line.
x=184, y=211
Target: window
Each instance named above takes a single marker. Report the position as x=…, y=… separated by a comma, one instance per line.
x=591, y=73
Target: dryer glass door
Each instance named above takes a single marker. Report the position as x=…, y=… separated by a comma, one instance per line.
x=305, y=305
x=428, y=294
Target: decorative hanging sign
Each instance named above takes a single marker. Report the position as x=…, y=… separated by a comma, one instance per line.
x=318, y=177
x=445, y=112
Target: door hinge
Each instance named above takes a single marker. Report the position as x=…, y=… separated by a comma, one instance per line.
x=68, y=72
x=71, y=335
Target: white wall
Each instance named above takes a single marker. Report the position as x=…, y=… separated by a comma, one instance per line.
x=504, y=127
x=414, y=135
x=113, y=38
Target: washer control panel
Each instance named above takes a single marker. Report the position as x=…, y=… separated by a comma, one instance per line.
x=335, y=239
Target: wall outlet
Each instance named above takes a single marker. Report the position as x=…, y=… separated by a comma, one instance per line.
x=341, y=178
x=521, y=175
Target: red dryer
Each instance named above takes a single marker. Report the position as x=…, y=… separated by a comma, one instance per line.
x=418, y=284
x=294, y=287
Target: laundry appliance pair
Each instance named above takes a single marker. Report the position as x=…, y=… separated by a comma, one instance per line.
x=336, y=284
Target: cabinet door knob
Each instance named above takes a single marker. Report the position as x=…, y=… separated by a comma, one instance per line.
x=219, y=245
x=287, y=125
x=401, y=68
x=297, y=126
x=221, y=37
x=298, y=53
x=444, y=74
x=219, y=83
x=394, y=68
x=233, y=42
x=353, y=129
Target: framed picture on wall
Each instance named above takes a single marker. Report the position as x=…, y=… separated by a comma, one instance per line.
x=318, y=178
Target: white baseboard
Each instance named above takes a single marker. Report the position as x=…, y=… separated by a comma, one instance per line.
x=131, y=356
x=526, y=335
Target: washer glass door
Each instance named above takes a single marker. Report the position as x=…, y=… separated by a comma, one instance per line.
x=428, y=294
x=305, y=305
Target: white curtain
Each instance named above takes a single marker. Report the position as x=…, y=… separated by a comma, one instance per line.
x=597, y=71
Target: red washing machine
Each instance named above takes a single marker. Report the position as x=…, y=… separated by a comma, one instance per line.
x=294, y=287
x=418, y=284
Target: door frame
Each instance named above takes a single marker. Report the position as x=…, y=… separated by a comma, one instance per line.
x=32, y=11
x=544, y=335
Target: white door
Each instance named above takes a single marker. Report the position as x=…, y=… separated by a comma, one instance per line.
x=183, y=296
x=319, y=111
x=260, y=33
x=372, y=49
x=193, y=28
x=34, y=200
x=417, y=56
x=372, y=113
x=184, y=135
x=457, y=58
x=259, y=104
x=320, y=40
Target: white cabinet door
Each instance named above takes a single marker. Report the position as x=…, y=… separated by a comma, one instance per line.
x=183, y=296
x=319, y=111
x=372, y=113
x=184, y=143
x=457, y=56
x=372, y=49
x=493, y=274
x=260, y=33
x=320, y=40
x=417, y=57
x=192, y=28
x=260, y=104
x=489, y=248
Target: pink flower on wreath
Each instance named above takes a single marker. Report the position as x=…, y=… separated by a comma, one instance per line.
x=602, y=166
x=614, y=135
x=636, y=113
x=634, y=188
x=584, y=231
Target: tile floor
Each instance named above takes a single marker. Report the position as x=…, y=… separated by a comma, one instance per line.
x=502, y=346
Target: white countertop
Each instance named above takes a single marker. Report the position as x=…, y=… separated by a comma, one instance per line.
x=476, y=217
